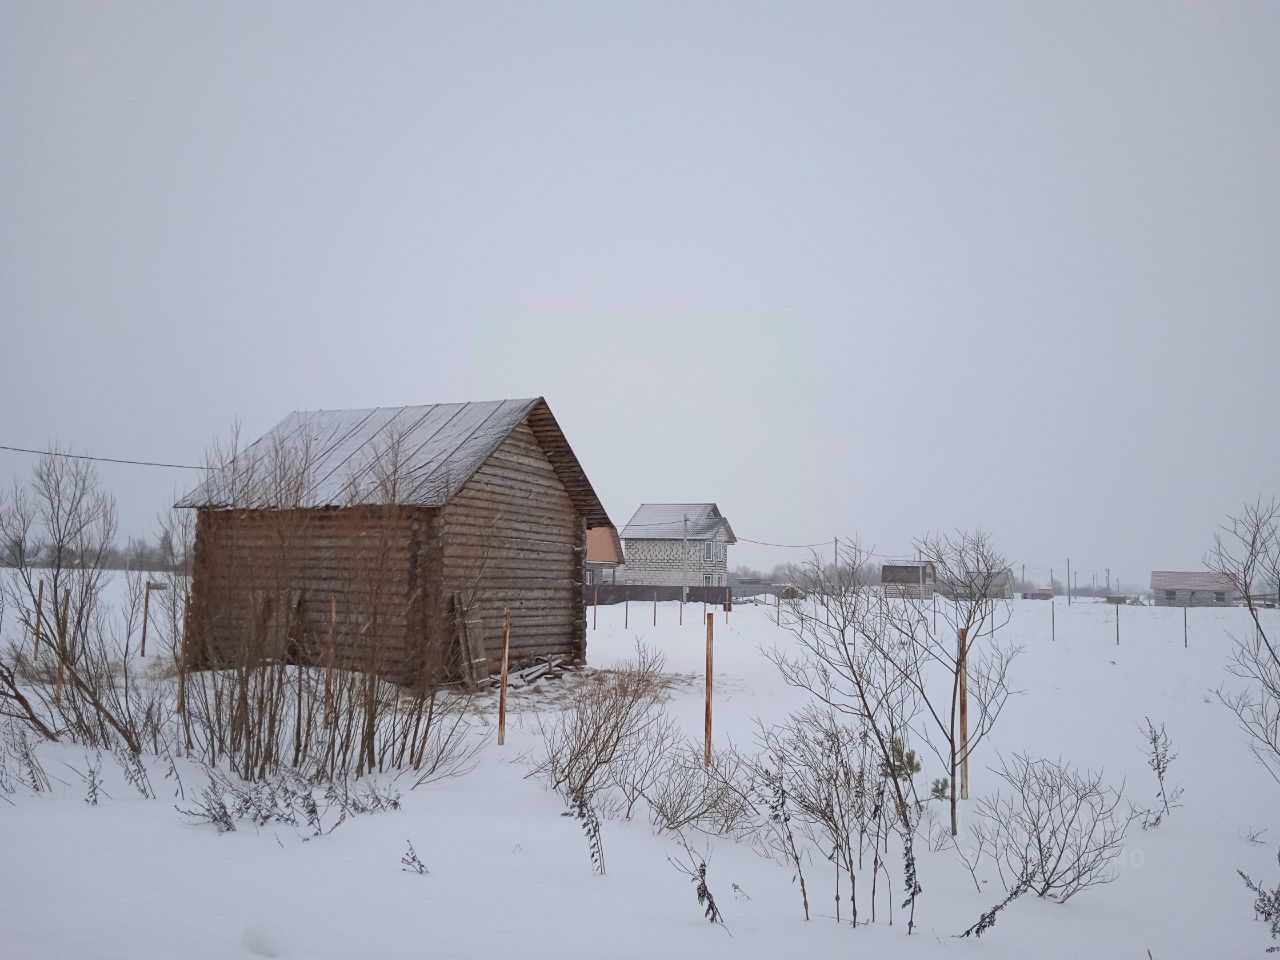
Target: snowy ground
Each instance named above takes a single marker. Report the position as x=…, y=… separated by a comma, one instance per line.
x=131, y=878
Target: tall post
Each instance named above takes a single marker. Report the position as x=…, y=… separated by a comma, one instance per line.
x=146, y=615
x=1185, y=642
x=1068, y=581
x=595, y=606
x=684, y=568
x=1024, y=579
x=1053, y=619
x=626, y=610
x=777, y=609
x=39, y=616
x=502, y=691
x=706, y=749
x=1117, y=624
x=962, y=658
x=655, y=608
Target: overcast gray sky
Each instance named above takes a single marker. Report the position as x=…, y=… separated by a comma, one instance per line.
x=842, y=268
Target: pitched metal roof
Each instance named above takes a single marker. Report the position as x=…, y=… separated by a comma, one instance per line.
x=420, y=456
x=665, y=521
x=1191, y=580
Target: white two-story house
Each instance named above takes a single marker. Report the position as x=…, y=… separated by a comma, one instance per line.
x=677, y=544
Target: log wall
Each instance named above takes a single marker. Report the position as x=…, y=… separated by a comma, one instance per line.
x=513, y=538
x=263, y=579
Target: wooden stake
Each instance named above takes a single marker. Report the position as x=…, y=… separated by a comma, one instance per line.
x=39, y=615
x=1053, y=628
x=777, y=609
x=146, y=612
x=962, y=652
x=680, y=619
x=626, y=610
x=328, y=668
x=655, y=608
x=595, y=606
x=502, y=694
x=706, y=751
x=1185, y=642
x=64, y=623
x=1117, y=624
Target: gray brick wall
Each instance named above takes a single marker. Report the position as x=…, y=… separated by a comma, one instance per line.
x=666, y=563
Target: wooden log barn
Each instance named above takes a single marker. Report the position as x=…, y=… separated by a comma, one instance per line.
x=390, y=540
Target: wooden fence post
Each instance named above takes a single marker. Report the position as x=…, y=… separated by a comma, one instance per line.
x=626, y=610
x=64, y=623
x=962, y=643
x=39, y=616
x=1053, y=618
x=502, y=691
x=706, y=751
x=777, y=609
x=595, y=606
x=146, y=613
x=1117, y=624
x=655, y=608
x=1185, y=643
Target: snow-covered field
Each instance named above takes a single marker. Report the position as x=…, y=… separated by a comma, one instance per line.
x=509, y=876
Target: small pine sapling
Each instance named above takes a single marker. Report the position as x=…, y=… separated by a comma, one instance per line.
x=940, y=789
x=411, y=862
x=1160, y=756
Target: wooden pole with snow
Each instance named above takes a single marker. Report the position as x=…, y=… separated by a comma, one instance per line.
x=1053, y=620
x=655, y=608
x=39, y=615
x=626, y=610
x=1185, y=642
x=706, y=749
x=962, y=658
x=1117, y=624
x=502, y=690
x=595, y=607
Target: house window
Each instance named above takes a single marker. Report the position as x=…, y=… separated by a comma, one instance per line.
x=591, y=577
x=1171, y=596
x=708, y=580
x=709, y=550
x=1219, y=598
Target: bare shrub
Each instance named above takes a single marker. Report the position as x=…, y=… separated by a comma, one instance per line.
x=1247, y=552
x=1056, y=830
x=607, y=725
x=686, y=793
x=59, y=528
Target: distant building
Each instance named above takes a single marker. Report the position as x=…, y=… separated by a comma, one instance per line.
x=915, y=580
x=1177, y=588
x=678, y=544
x=604, y=556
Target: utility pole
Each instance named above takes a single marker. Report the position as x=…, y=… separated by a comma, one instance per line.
x=1068, y=581
x=1109, y=582
x=684, y=568
x=1024, y=579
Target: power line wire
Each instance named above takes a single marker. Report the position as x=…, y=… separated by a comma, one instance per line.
x=81, y=456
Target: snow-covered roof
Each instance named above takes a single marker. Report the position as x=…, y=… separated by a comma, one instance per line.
x=418, y=455
x=665, y=521
x=1191, y=580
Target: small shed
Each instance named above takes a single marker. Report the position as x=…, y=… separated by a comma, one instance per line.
x=391, y=539
x=1192, y=588
x=914, y=580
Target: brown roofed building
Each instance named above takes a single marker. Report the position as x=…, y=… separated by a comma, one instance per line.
x=390, y=539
